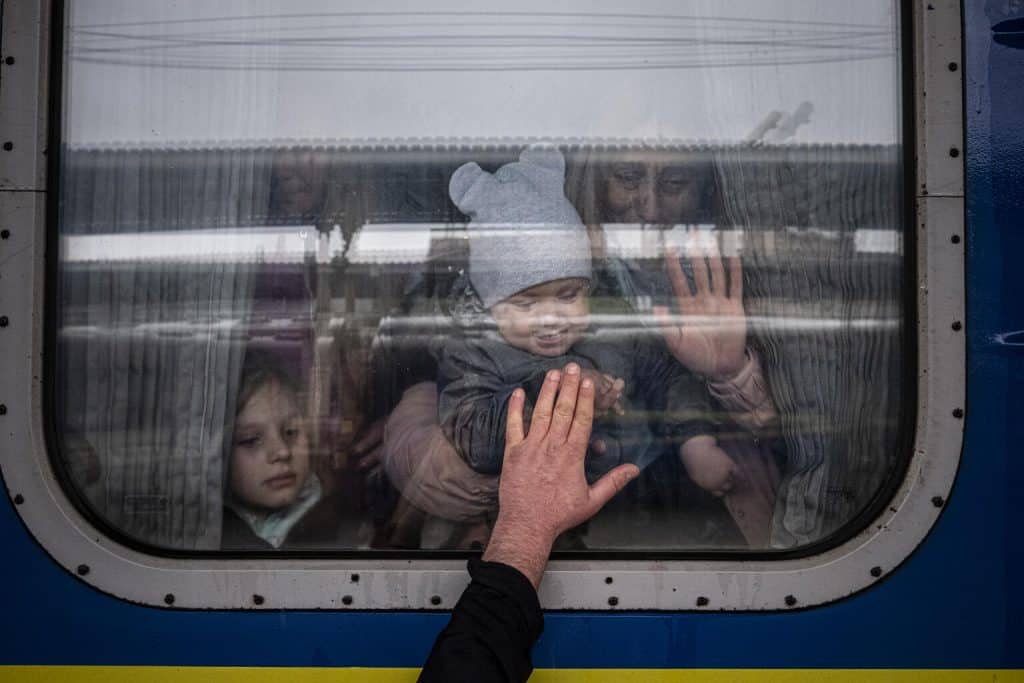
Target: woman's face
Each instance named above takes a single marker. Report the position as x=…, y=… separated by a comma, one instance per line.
x=645, y=192
x=270, y=451
x=297, y=185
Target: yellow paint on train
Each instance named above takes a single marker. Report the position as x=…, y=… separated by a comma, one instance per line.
x=213, y=674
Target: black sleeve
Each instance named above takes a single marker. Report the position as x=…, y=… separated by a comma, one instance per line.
x=492, y=630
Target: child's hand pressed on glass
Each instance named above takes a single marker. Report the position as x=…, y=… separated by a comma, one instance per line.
x=608, y=392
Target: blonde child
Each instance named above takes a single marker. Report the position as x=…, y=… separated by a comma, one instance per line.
x=273, y=500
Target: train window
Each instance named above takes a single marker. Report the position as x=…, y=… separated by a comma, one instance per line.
x=305, y=257
x=297, y=261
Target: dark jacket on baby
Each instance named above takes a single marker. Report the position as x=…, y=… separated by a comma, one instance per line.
x=664, y=403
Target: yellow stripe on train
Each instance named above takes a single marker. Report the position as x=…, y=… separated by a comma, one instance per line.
x=217, y=674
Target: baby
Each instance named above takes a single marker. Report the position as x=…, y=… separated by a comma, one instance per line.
x=273, y=497
x=530, y=264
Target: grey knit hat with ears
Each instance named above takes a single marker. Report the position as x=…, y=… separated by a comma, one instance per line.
x=524, y=231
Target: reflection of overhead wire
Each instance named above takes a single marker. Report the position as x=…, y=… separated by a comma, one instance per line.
x=576, y=17
x=709, y=43
x=84, y=36
x=496, y=67
x=507, y=40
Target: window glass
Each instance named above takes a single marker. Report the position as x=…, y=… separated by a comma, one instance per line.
x=307, y=252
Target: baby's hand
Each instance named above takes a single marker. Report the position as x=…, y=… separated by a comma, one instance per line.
x=708, y=465
x=608, y=391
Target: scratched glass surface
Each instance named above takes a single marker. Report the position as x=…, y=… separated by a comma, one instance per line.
x=291, y=310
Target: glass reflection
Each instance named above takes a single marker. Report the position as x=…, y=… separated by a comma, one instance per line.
x=279, y=196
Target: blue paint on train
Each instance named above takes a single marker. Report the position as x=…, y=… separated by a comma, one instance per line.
x=943, y=609
x=957, y=602
x=995, y=210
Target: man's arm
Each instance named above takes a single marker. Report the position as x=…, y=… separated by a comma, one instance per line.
x=543, y=492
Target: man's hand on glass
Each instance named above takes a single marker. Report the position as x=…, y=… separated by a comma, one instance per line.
x=543, y=490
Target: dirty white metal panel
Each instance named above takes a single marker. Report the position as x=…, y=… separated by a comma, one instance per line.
x=23, y=70
x=939, y=65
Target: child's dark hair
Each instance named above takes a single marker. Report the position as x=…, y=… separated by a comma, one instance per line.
x=259, y=369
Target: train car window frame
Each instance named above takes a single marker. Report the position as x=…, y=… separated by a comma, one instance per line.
x=26, y=99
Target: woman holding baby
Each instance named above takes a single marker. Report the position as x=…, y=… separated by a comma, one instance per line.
x=542, y=279
x=535, y=292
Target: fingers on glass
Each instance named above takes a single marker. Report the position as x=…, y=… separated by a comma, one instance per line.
x=565, y=406
x=583, y=418
x=541, y=418
x=735, y=278
x=605, y=488
x=514, y=422
x=717, y=269
x=705, y=256
x=675, y=274
x=700, y=273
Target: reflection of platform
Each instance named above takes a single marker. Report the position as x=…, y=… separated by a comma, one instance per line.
x=396, y=242
x=262, y=244
x=407, y=243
